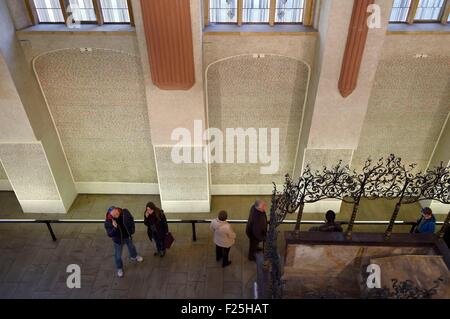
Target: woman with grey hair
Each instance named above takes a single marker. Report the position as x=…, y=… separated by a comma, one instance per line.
x=224, y=237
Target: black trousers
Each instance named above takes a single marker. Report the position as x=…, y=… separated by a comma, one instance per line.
x=222, y=253
x=159, y=242
x=253, y=248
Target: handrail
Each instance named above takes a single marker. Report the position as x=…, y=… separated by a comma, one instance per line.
x=193, y=222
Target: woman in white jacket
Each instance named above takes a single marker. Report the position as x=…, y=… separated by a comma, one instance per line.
x=224, y=237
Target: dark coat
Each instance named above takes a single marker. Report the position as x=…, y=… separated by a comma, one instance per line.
x=328, y=227
x=256, y=225
x=447, y=237
x=162, y=228
x=115, y=233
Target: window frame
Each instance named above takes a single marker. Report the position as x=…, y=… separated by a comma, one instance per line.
x=308, y=13
x=95, y=7
x=34, y=19
x=440, y=16
x=269, y=2
x=207, y=11
x=407, y=16
x=414, y=5
x=308, y=9
x=130, y=13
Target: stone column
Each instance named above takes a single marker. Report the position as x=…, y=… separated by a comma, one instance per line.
x=30, y=150
x=183, y=187
x=333, y=123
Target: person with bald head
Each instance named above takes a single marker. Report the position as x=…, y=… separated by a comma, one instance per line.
x=256, y=229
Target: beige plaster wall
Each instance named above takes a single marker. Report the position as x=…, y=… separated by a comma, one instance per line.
x=36, y=43
x=337, y=121
x=442, y=150
x=408, y=107
x=2, y=173
x=257, y=93
x=19, y=14
x=15, y=125
x=269, y=113
x=97, y=100
x=301, y=47
x=31, y=179
x=180, y=182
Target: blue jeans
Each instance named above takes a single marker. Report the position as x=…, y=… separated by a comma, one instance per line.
x=118, y=251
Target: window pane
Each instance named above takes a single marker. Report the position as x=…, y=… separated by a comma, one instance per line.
x=49, y=11
x=222, y=11
x=82, y=10
x=289, y=11
x=429, y=10
x=400, y=11
x=115, y=11
x=256, y=11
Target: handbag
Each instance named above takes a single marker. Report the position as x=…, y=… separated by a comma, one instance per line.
x=168, y=240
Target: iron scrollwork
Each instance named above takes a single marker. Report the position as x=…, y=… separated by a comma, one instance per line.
x=405, y=290
x=389, y=179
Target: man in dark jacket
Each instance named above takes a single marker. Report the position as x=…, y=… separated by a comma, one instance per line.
x=330, y=225
x=256, y=229
x=427, y=223
x=119, y=225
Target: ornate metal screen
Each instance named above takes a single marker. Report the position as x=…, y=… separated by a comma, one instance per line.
x=388, y=178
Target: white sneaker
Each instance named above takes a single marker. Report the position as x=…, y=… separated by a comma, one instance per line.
x=138, y=258
x=120, y=273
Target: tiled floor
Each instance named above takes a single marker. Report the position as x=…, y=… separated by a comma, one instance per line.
x=33, y=266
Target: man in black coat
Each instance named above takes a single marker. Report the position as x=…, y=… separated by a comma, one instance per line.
x=447, y=237
x=119, y=225
x=330, y=225
x=256, y=229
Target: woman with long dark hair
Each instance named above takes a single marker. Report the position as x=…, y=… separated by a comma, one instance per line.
x=157, y=227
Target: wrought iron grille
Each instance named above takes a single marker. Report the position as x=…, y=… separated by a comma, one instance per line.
x=389, y=179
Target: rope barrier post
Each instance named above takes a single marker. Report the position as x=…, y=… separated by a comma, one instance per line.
x=50, y=229
x=194, y=233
